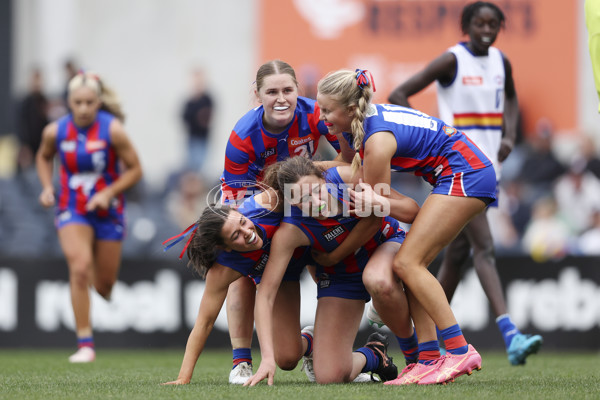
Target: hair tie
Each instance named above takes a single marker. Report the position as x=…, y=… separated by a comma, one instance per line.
x=178, y=238
x=362, y=80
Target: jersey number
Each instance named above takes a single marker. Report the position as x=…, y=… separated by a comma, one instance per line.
x=306, y=150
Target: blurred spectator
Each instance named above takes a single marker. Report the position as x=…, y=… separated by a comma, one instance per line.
x=197, y=115
x=70, y=68
x=588, y=243
x=519, y=211
x=186, y=202
x=59, y=105
x=505, y=234
x=577, y=194
x=32, y=118
x=547, y=236
x=590, y=153
x=308, y=76
x=540, y=166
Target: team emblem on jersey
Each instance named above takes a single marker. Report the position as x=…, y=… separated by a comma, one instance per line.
x=261, y=263
x=68, y=146
x=95, y=145
x=448, y=130
x=268, y=152
x=333, y=232
x=64, y=216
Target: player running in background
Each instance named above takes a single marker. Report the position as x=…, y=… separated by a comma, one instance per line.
x=91, y=144
x=476, y=95
x=284, y=125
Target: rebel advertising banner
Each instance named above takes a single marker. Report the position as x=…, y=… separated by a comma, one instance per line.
x=154, y=304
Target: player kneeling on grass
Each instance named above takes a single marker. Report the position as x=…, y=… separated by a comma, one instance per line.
x=226, y=244
x=317, y=218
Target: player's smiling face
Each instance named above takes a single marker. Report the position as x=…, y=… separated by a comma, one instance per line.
x=483, y=30
x=279, y=96
x=337, y=118
x=240, y=234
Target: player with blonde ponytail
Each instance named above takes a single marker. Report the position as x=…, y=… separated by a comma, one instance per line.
x=92, y=146
x=389, y=137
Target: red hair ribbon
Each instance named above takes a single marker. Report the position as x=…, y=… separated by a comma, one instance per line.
x=362, y=80
x=190, y=230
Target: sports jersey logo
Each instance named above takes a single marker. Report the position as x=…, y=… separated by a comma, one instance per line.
x=68, y=146
x=448, y=130
x=260, y=264
x=472, y=80
x=299, y=141
x=95, y=145
x=64, y=216
x=324, y=280
x=268, y=152
x=332, y=233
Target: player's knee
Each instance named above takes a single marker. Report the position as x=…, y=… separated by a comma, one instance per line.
x=287, y=363
x=104, y=289
x=378, y=286
x=80, y=275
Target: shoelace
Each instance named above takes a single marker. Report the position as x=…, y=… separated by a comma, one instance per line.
x=306, y=365
x=245, y=369
x=408, y=368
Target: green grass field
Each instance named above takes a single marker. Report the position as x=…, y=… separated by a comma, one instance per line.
x=137, y=374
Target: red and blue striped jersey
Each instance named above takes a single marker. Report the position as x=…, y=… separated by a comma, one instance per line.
x=426, y=145
x=327, y=234
x=88, y=164
x=252, y=263
x=251, y=147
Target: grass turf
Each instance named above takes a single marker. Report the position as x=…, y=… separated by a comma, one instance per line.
x=137, y=374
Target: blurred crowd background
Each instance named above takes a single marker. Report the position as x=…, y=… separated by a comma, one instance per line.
x=184, y=70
